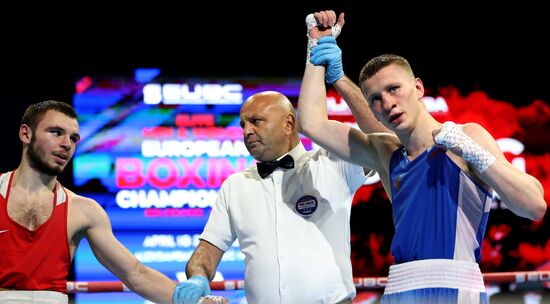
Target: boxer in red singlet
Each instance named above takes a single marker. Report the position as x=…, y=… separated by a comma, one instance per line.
x=42, y=223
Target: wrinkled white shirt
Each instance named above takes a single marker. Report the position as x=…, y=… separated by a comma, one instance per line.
x=293, y=228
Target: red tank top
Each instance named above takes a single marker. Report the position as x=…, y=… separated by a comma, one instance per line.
x=34, y=260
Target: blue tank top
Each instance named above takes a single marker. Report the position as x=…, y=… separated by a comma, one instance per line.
x=439, y=212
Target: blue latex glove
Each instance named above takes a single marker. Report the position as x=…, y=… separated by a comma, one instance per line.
x=189, y=292
x=328, y=53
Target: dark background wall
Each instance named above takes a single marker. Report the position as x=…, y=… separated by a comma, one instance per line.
x=500, y=49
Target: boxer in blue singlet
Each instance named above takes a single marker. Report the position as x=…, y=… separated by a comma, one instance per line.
x=441, y=178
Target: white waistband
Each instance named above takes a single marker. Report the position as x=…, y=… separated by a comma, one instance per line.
x=436, y=273
x=32, y=296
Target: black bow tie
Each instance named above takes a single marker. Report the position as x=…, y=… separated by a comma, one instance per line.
x=266, y=168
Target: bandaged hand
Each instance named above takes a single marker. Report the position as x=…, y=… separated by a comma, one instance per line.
x=329, y=54
x=213, y=300
x=322, y=24
x=191, y=290
x=454, y=139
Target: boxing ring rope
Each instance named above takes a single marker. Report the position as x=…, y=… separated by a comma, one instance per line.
x=360, y=283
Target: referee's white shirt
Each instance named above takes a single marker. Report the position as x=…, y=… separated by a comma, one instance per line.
x=293, y=228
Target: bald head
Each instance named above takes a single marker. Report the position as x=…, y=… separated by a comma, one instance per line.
x=275, y=100
x=268, y=120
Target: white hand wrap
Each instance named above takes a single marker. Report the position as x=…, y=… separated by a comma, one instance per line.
x=453, y=138
x=336, y=29
x=213, y=299
x=311, y=22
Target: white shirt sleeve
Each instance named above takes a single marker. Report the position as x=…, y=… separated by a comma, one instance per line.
x=354, y=175
x=218, y=230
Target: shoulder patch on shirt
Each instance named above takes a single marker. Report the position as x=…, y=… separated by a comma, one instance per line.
x=306, y=205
